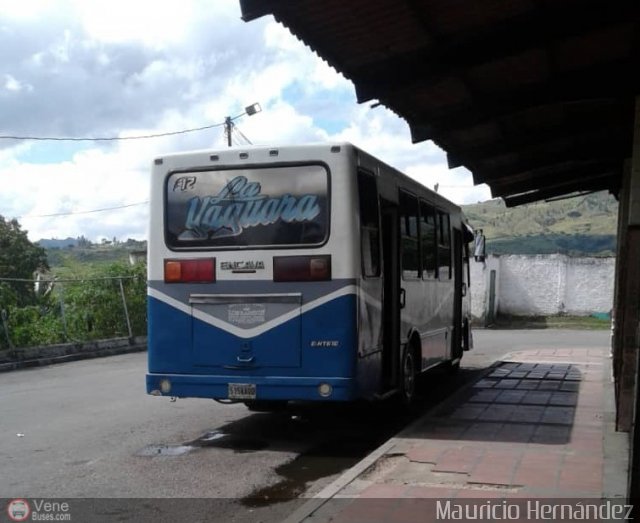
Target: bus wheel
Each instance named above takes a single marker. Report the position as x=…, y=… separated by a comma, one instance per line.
x=466, y=336
x=453, y=368
x=408, y=378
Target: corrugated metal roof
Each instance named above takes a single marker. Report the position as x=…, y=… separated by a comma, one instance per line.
x=534, y=97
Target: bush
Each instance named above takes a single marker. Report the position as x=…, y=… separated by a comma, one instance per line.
x=81, y=310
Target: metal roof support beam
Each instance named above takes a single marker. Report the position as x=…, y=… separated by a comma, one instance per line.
x=252, y=9
x=574, y=156
x=429, y=65
x=575, y=185
x=539, y=142
x=612, y=81
x=507, y=187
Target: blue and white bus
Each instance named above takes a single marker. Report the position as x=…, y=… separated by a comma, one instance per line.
x=312, y=272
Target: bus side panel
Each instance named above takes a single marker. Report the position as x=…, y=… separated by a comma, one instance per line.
x=429, y=312
x=329, y=339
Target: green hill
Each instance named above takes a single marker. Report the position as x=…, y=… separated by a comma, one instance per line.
x=75, y=260
x=579, y=226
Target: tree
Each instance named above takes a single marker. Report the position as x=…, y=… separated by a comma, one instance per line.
x=19, y=258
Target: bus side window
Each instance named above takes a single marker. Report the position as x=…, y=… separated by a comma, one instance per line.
x=409, y=216
x=369, y=225
x=428, y=239
x=444, y=246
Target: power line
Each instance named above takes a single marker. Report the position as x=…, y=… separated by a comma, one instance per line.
x=110, y=138
x=237, y=129
x=82, y=212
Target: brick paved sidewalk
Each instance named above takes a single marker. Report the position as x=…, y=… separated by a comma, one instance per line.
x=539, y=425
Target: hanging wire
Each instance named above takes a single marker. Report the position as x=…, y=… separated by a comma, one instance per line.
x=110, y=138
x=236, y=128
x=71, y=213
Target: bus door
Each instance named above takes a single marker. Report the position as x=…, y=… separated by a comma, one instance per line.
x=456, y=347
x=391, y=299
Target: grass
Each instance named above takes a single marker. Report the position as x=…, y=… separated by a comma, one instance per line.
x=552, y=322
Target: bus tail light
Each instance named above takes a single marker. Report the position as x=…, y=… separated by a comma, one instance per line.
x=302, y=268
x=202, y=270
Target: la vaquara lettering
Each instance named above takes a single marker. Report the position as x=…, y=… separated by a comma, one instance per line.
x=240, y=205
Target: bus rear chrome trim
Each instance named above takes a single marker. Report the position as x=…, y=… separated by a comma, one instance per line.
x=218, y=298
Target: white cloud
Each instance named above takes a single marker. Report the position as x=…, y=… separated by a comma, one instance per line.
x=122, y=68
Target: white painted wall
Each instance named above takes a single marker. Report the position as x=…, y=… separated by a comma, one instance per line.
x=543, y=285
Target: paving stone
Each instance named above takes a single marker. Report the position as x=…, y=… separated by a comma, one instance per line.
x=484, y=431
x=559, y=415
x=528, y=413
x=516, y=433
x=549, y=385
x=536, y=398
x=485, y=384
x=484, y=396
x=510, y=396
x=423, y=454
x=507, y=384
x=528, y=384
x=497, y=412
x=564, y=399
x=468, y=412
x=458, y=460
x=495, y=468
x=551, y=435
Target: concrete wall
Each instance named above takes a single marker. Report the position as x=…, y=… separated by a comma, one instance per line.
x=543, y=285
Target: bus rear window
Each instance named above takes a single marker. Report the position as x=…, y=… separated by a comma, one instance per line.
x=240, y=208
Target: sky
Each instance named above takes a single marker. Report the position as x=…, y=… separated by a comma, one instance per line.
x=120, y=69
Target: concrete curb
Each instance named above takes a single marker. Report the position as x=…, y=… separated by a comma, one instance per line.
x=75, y=352
x=337, y=485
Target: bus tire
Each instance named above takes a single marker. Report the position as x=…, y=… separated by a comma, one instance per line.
x=466, y=335
x=408, y=376
x=453, y=368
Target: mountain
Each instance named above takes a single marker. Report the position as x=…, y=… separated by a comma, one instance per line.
x=581, y=226
x=84, y=252
x=54, y=243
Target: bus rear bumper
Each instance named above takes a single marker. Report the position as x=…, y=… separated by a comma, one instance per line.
x=271, y=388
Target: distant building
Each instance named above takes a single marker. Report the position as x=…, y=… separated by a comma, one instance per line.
x=136, y=257
x=43, y=282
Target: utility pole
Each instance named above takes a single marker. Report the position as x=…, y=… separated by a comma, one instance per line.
x=228, y=124
x=250, y=110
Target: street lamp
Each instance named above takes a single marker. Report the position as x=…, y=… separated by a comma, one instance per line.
x=249, y=110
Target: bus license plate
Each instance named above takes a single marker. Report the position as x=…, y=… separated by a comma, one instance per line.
x=242, y=391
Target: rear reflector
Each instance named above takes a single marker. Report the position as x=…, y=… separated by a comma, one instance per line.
x=201, y=270
x=302, y=268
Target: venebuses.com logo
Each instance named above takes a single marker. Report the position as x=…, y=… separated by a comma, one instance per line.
x=19, y=509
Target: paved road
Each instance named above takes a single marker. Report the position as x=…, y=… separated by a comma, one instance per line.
x=87, y=429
